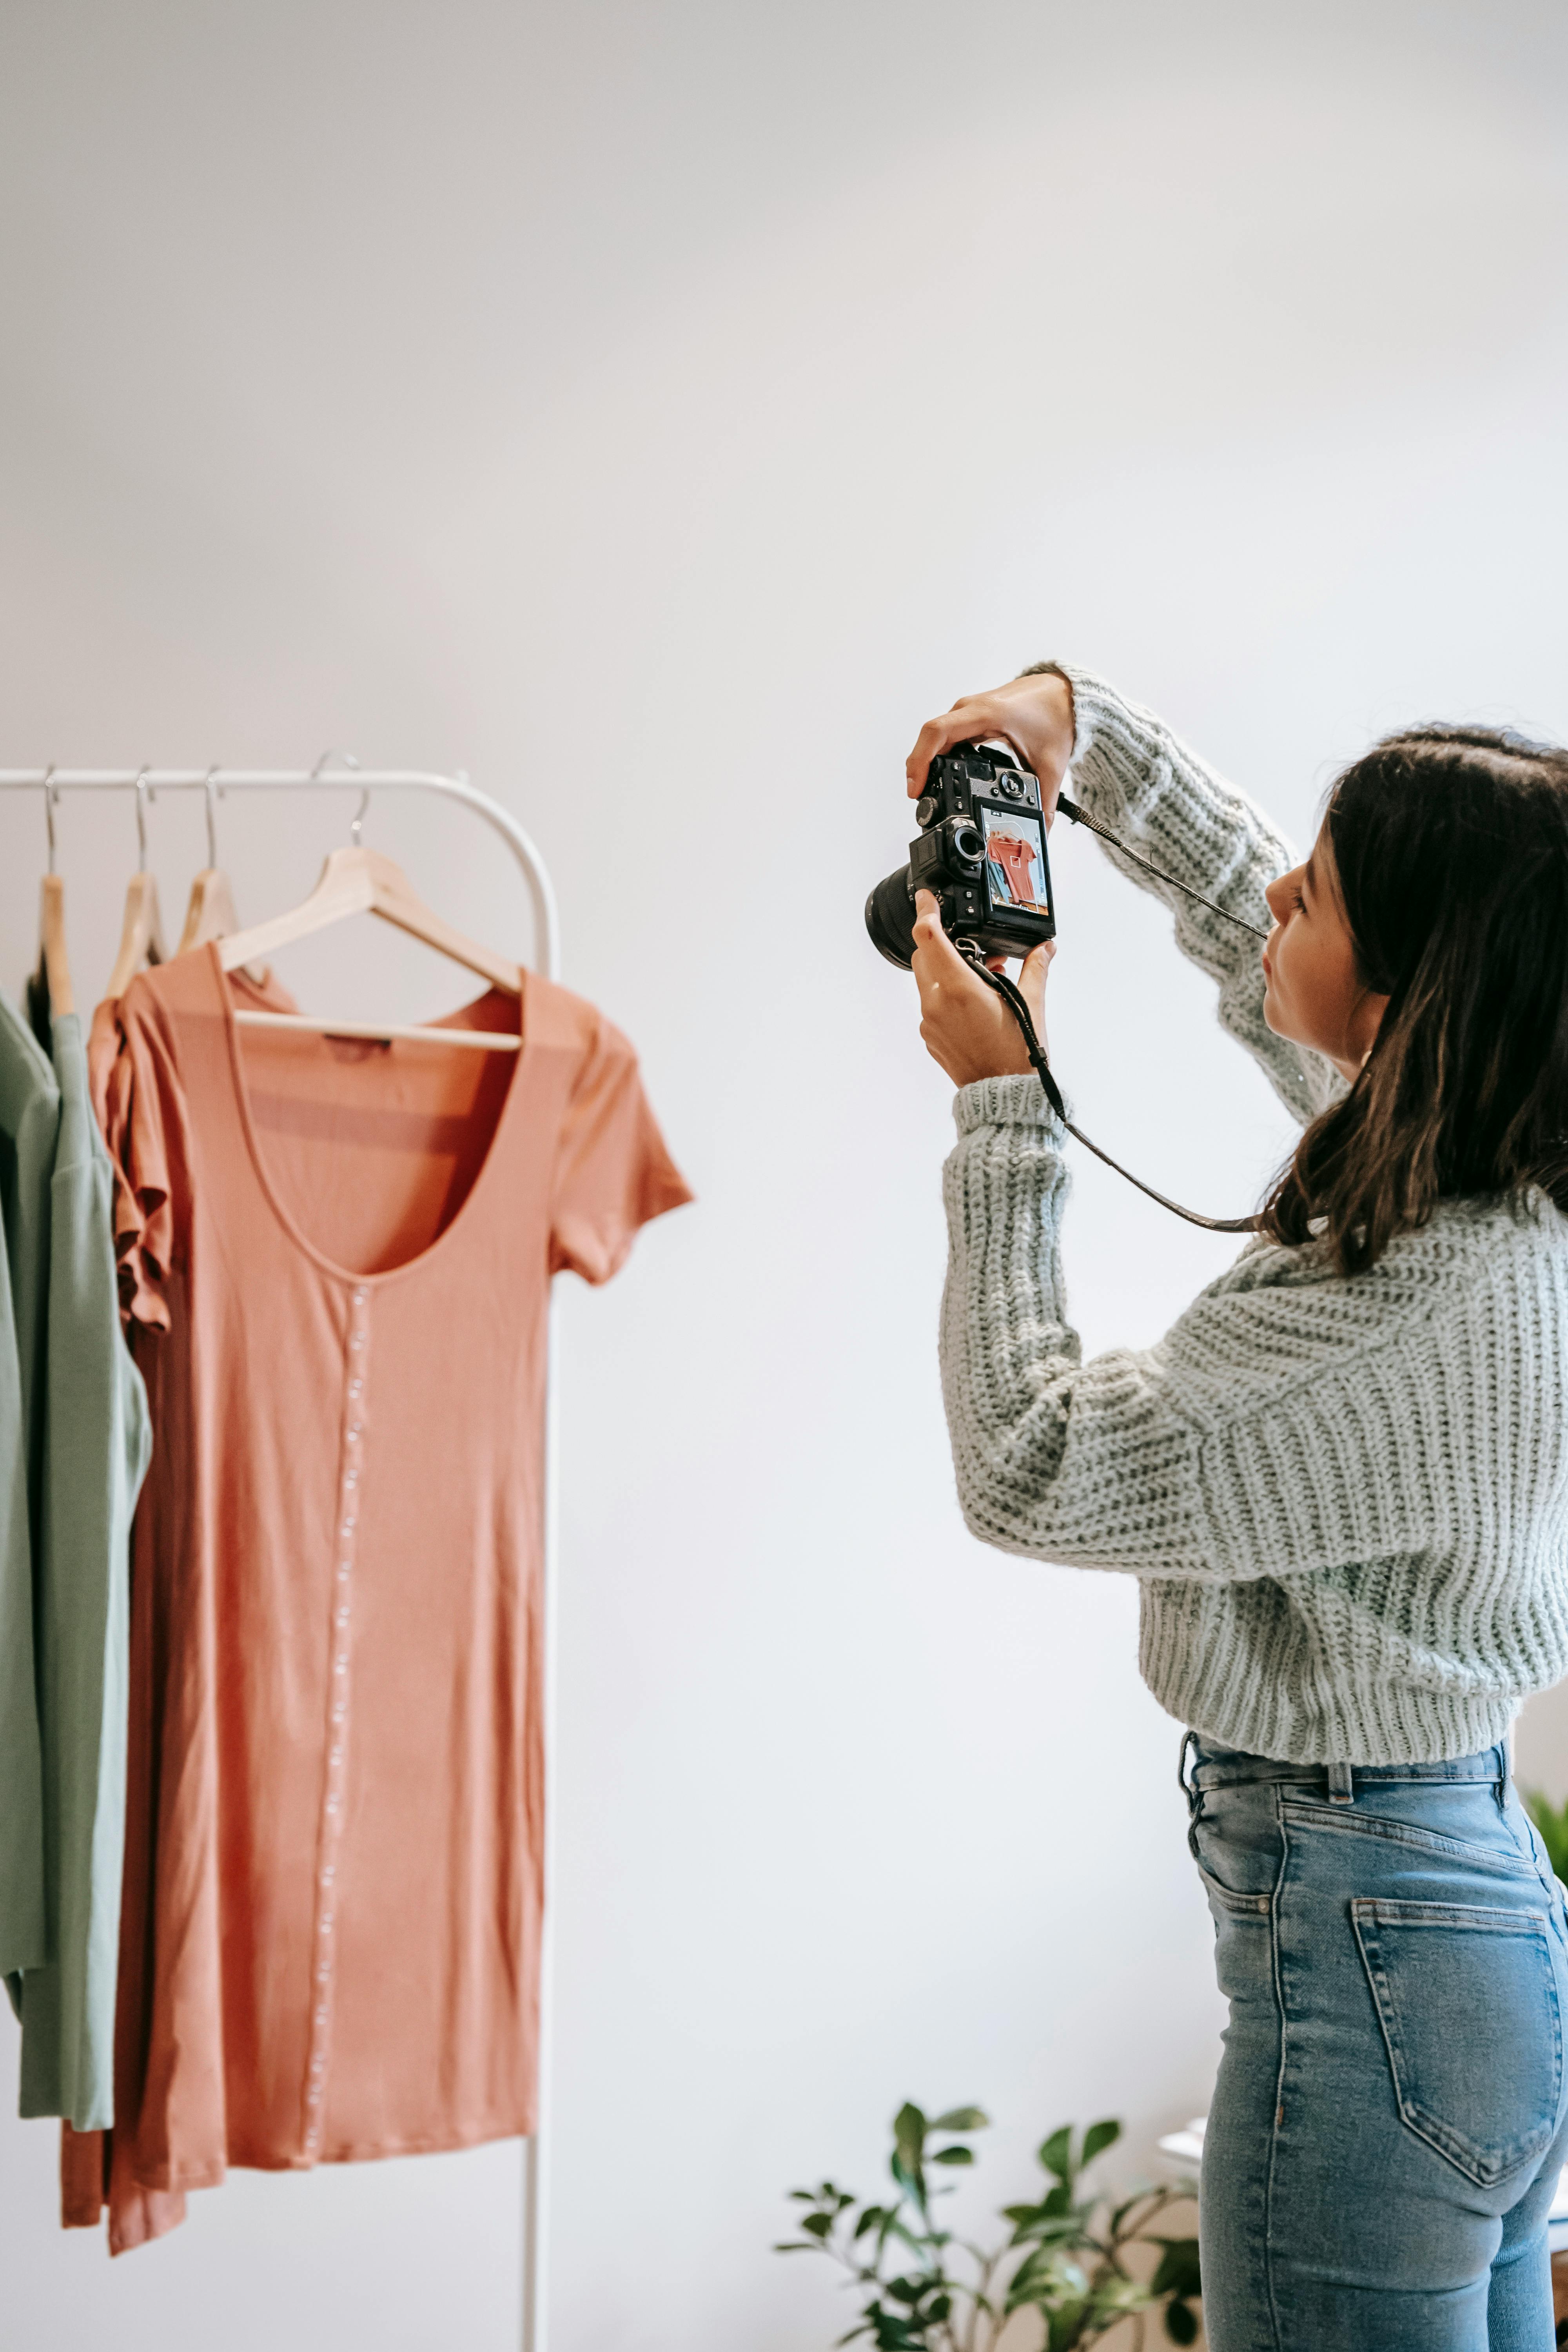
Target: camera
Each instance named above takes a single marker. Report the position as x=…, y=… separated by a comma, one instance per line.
x=982, y=850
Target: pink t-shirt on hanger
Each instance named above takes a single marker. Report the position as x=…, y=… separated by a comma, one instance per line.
x=337, y=1257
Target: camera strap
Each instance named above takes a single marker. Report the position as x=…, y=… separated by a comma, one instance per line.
x=1077, y=815
x=1012, y=996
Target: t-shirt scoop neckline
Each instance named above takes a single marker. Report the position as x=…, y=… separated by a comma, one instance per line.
x=257, y=1157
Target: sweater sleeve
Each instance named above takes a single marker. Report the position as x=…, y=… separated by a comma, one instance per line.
x=1134, y=775
x=1257, y=1439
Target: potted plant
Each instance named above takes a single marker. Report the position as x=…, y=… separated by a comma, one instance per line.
x=924, y=2289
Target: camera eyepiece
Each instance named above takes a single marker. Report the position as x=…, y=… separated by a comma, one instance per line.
x=963, y=840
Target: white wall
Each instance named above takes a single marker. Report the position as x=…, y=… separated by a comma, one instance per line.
x=658, y=412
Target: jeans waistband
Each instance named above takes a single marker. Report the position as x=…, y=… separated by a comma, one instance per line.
x=1224, y=1768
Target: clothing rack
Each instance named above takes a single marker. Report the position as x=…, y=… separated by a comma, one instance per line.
x=339, y=772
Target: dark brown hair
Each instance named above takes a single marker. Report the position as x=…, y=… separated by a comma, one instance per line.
x=1451, y=845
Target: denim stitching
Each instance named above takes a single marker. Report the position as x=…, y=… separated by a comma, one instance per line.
x=1318, y=1817
x=1279, y=2079
x=1452, y=2145
x=1240, y=1906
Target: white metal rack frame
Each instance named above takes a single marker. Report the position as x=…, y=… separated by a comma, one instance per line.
x=339, y=772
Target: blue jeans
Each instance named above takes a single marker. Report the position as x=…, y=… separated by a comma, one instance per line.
x=1391, y=2110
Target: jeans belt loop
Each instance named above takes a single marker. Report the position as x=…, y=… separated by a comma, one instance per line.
x=1341, y=1784
x=1189, y=1789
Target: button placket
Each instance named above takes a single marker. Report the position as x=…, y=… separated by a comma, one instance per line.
x=339, y=1628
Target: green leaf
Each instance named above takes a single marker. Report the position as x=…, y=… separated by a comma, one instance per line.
x=1122, y=2211
x=953, y=2155
x=1552, y=1820
x=1056, y=2155
x=1112, y=2297
x=962, y=2119
x=1099, y=2137
x=818, y=2225
x=871, y=2216
x=1181, y=2323
x=797, y=2246
x=909, y=2128
x=1178, y=2272
x=895, y=2333
x=1050, y=2230
x=1043, y=2280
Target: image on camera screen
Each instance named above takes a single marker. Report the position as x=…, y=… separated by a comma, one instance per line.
x=1015, y=861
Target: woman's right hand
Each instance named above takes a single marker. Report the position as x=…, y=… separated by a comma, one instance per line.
x=1033, y=714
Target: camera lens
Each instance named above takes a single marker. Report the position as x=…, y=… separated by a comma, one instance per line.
x=890, y=918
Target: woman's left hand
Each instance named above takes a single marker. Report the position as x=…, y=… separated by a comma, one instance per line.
x=966, y=1026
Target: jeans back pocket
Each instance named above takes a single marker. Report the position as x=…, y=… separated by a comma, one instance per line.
x=1468, y=2001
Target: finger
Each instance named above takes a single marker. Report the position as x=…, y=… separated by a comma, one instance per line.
x=942, y=959
x=975, y=714
x=1032, y=978
x=949, y=990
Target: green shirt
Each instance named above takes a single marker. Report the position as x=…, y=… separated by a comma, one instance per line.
x=29, y=1123
x=96, y=1443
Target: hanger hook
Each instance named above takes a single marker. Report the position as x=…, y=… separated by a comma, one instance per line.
x=209, y=793
x=345, y=759
x=144, y=794
x=51, y=794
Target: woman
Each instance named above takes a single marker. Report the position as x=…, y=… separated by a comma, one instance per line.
x=1342, y=1480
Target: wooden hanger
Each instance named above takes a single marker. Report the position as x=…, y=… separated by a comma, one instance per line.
x=52, y=953
x=52, y=956
x=141, y=934
x=360, y=881
x=211, y=913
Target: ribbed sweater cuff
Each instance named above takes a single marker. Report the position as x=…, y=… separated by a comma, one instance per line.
x=1006, y=1102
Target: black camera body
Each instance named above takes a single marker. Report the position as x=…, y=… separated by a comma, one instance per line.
x=982, y=850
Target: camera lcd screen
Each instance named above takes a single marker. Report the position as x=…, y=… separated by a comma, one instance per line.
x=1015, y=860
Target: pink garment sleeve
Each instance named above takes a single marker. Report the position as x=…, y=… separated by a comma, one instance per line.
x=613, y=1172
x=136, y=1096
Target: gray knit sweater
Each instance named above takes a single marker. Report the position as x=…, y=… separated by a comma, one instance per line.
x=1345, y=1498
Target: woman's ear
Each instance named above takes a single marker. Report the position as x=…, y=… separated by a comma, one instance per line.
x=1362, y=1030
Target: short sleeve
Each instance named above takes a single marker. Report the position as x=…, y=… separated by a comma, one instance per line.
x=131, y=1079
x=613, y=1172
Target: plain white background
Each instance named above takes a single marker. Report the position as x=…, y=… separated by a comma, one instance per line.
x=658, y=411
